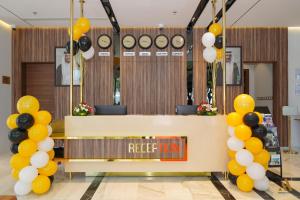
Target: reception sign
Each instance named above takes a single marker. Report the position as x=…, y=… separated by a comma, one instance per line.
x=166, y=148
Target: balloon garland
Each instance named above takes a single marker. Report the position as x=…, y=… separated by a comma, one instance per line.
x=213, y=41
x=32, y=163
x=81, y=41
x=249, y=160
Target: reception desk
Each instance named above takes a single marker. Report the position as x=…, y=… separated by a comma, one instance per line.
x=141, y=143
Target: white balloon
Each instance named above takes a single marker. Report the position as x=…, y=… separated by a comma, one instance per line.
x=49, y=130
x=256, y=171
x=39, y=159
x=89, y=53
x=22, y=188
x=244, y=157
x=231, y=131
x=262, y=184
x=235, y=144
x=28, y=174
x=46, y=144
x=210, y=54
x=208, y=39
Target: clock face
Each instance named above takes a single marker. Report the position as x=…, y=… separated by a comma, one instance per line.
x=128, y=41
x=161, y=41
x=145, y=41
x=177, y=41
x=104, y=41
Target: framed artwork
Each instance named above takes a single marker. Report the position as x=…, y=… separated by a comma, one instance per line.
x=234, y=68
x=62, y=68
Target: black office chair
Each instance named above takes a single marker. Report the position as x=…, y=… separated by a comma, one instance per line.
x=110, y=110
x=186, y=109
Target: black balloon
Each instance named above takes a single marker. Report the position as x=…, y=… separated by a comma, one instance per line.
x=251, y=119
x=51, y=179
x=17, y=135
x=85, y=43
x=259, y=131
x=219, y=42
x=75, y=47
x=25, y=121
x=14, y=148
x=232, y=178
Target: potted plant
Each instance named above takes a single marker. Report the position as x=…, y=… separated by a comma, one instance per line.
x=82, y=109
x=206, y=109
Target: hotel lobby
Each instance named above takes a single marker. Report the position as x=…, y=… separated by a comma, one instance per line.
x=143, y=99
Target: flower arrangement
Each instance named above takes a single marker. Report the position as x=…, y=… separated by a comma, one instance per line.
x=82, y=109
x=206, y=109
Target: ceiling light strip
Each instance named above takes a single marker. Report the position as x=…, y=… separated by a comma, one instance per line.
x=219, y=15
x=201, y=6
x=111, y=15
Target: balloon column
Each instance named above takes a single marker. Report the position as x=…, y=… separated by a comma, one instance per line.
x=249, y=160
x=81, y=41
x=32, y=163
x=212, y=40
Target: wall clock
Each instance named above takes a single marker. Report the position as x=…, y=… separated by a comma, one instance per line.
x=128, y=41
x=161, y=41
x=145, y=41
x=104, y=41
x=177, y=41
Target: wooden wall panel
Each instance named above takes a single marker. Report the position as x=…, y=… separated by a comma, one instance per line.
x=259, y=45
x=153, y=85
x=38, y=45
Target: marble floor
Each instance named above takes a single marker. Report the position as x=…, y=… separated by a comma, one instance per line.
x=154, y=188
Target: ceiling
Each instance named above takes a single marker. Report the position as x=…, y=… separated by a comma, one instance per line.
x=150, y=13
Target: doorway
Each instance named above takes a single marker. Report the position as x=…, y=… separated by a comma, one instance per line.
x=258, y=82
x=38, y=80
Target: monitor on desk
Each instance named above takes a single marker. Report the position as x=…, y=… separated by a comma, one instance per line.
x=110, y=110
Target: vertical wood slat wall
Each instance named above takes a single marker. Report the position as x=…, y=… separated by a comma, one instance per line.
x=38, y=45
x=153, y=85
x=259, y=45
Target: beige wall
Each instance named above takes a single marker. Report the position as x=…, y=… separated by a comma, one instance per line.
x=5, y=90
x=294, y=63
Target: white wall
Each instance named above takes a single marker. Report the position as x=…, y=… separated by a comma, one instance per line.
x=5, y=90
x=294, y=63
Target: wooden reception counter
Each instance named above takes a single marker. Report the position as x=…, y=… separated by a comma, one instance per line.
x=140, y=143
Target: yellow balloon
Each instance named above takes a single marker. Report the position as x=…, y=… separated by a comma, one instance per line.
x=11, y=121
x=27, y=148
x=235, y=168
x=231, y=153
x=234, y=119
x=84, y=24
x=49, y=169
x=260, y=117
x=263, y=157
x=216, y=29
x=245, y=183
x=242, y=132
x=254, y=145
x=41, y=184
x=42, y=117
x=266, y=166
x=28, y=104
x=51, y=154
x=243, y=104
x=76, y=32
x=15, y=173
x=18, y=162
x=219, y=54
x=38, y=132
